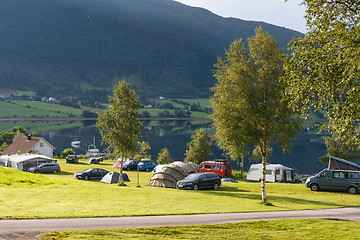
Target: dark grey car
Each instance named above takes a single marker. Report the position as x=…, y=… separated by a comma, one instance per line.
x=337, y=180
x=198, y=181
x=46, y=168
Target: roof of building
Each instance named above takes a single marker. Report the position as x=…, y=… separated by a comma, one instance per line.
x=24, y=157
x=23, y=144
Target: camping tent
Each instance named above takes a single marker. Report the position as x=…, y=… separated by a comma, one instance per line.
x=336, y=163
x=25, y=161
x=170, y=174
x=113, y=177
x=93, y=161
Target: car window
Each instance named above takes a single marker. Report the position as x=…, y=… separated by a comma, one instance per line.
x=277, y=172
x=207, y=166
x=341, y=175
x=326, y=174
x=216, y=167
x=353, y=175
x=269, y=172
x=202, y=177
x=211, y=176
x=192, y=177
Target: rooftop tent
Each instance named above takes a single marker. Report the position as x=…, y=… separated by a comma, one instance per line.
x=113, y=177
x=336, y=163
x=169, y=175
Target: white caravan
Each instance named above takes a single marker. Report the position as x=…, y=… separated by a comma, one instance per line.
x=274, y=173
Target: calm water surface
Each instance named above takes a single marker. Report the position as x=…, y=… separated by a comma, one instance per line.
x=303, y=157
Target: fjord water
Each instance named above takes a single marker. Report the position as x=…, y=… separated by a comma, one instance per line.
x=303, y=157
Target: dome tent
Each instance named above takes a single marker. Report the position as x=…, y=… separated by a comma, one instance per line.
x=170, y=174
x=113, y=177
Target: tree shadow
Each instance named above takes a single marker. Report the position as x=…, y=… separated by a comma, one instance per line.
x=244, y=194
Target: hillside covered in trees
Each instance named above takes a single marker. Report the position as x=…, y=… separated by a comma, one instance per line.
x=84, y=47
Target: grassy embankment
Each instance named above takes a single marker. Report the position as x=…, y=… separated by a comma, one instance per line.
x=27, y=195
x=297, y=229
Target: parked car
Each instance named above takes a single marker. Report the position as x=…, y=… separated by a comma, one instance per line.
x=71, y=159
x=46, y=168
x=147, y=166
x=338, y=180
x=220, y=166
x=198, y=181
x=91, y=173
x=131, y=165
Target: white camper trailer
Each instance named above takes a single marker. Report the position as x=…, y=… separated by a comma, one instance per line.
x=274, y=173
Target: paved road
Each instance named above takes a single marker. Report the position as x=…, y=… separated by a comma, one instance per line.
x=28, y=229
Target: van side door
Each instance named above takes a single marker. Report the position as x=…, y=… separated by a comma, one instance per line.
x=325, y=179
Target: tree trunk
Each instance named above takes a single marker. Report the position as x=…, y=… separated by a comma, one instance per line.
x=263, y=151
x=242, y=167
x=121, y=180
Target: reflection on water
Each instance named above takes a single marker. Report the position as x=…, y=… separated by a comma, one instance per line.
x=303, y=157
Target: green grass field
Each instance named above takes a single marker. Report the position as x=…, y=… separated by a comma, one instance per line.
x=27, y=195
x=297, y=229
x=9, y=110
x=96, y=199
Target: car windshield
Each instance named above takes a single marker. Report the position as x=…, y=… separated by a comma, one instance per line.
x=192, y=177
x=88, y=170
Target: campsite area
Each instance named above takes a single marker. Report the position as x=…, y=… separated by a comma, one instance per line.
x=30, y=196
x=27, y=195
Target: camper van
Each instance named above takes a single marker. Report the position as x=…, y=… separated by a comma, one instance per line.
x=274, y=173
x=220, y=166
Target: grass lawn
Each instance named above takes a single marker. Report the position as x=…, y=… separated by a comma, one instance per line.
x=52, y=107
x=15, y=110
x=67, y=197
x=297, y=229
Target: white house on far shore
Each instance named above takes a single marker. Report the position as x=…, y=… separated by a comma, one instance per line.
x=29, y=144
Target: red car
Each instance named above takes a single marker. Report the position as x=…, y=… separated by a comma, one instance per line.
x=220, y=166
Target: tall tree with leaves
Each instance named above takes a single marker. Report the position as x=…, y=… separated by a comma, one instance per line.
x=324, y=70
x=164, y=157
x=118, y=125
x=143, y=150
x=249, y=108
x=199, y=147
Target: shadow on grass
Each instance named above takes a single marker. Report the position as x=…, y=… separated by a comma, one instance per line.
x=239, y=194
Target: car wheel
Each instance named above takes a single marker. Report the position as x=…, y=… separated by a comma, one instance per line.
x=147, y=169
x=196, y=187
x=352, y=190
x=314, y=187
x=86, y=177
x=216, y=186
x=55, y=171
x=128, y=169
x=36, y=171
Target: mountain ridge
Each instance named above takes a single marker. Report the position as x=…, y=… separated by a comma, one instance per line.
x=161, y=47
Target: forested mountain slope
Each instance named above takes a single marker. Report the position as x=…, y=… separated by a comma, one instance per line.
x=162, y=47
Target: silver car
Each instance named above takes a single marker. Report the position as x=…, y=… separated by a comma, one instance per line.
x=46, y=168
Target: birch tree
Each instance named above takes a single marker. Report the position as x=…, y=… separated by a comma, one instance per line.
x=249, y=108
x=118, y=125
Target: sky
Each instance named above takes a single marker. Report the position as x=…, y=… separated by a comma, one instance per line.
x=278, y=12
